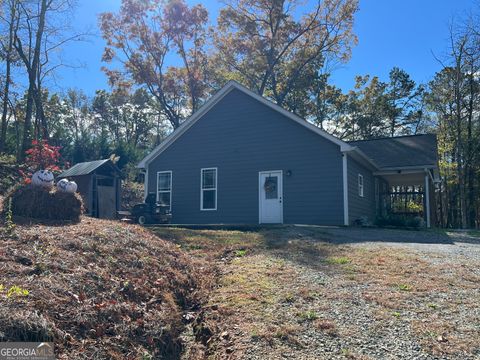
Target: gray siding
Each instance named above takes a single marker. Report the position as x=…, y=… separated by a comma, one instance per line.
x=241, y=136
x=360, y=206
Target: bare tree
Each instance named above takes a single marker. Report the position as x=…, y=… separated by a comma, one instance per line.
x=10, y=19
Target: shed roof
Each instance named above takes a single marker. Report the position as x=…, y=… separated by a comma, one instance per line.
x=400, y=152
x=83, y=168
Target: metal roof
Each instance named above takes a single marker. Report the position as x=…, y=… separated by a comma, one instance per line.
x=83, y=168
x=401, y=151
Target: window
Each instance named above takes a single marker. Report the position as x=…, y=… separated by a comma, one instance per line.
x=360, y=185
x=271, y=187
x=164, y=188
x=208, y=189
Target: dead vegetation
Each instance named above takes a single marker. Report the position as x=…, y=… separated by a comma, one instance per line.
x=278, y=287
x=37, y=203
x=98, y=289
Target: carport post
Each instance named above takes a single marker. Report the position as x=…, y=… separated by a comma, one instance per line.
x=426, y=193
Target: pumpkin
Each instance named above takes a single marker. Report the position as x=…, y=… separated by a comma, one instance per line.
x=43, y=178
x=67, y=186
x=71, y=187
x=62, y=185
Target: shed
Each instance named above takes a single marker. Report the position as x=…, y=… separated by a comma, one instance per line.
x=99, y=184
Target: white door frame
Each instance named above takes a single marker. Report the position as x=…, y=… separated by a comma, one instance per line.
x=280, y=192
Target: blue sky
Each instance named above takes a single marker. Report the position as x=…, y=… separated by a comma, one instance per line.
x=401, y=33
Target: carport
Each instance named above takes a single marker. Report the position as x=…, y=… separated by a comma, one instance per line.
x=407, y=174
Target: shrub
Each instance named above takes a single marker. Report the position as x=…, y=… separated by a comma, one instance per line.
x=37, y=203
x=132, y=194
x=399, y=221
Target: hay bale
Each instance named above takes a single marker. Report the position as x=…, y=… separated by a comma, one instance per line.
x=38, y=203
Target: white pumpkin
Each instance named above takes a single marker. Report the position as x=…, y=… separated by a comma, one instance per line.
x=43, y=178
x=67, y=186
x=62, y=185
x=71, y=187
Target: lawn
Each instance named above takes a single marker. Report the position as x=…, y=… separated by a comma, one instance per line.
x=289, y=292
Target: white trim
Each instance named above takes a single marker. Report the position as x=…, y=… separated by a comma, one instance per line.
x=260, y=193
x=399, y=172
x=408, y=168
x=360, y=186
x=171, y=186
x=211, y=189
x=345, y=190
x=427, y=198
x=231, y=85
x=145, y=184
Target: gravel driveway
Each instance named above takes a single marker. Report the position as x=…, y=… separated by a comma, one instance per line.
x=452, y=243
x=303, y=292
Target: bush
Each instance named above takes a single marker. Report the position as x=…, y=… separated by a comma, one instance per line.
x=399, y=221
x=37, y=203
x=132, y=194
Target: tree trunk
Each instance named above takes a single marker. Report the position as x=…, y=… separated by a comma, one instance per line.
x=32, y=69
x=6, y=90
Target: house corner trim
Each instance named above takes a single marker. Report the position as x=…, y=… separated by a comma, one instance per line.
x=345, y=189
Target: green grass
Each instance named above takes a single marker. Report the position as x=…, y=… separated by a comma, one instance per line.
x=240, y=253
x=308, y=315
x=404, y=287
x=341, y=260
x=475, y=233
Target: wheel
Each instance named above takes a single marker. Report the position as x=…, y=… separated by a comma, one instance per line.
x=143, y=219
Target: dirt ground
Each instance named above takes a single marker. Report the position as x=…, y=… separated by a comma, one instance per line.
x=297, y=292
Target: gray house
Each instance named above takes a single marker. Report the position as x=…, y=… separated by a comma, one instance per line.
x=241, y=159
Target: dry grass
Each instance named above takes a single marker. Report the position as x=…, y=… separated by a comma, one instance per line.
x=402, y=282
x=98, y=289
x=263, y=295
x=37, y=203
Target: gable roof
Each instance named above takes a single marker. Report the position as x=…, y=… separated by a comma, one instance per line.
x=412, y=151
x=231, y=85
x=83, y=168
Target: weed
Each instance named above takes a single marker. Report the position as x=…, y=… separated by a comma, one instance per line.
x=396, y=314
x=147, y=356
x=240, y=253
x=308, y=315
x=289, y=298
x=9, y=224
x=432, y=306
x=341, y=260
x=286, y=332
x=326, y=326
x=17, y=290
x=404, y=287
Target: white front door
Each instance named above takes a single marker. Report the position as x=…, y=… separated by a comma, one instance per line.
x=270, y=196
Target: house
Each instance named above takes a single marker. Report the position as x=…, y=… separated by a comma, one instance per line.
x=99, y=184
x=243, y=159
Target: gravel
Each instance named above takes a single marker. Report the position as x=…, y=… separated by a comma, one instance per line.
x=371, y=337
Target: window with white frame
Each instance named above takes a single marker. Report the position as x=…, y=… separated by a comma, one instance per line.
x=164, y=188
x=360, y=185
x=208, y=189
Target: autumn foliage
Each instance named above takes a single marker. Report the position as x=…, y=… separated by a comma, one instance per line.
x=43, y=156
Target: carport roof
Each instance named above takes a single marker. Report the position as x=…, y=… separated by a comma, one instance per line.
x=413, y=151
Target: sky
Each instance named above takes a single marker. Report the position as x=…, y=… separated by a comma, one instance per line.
x=405, y=33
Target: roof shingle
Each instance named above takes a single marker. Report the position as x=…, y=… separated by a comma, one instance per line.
x=402, y=151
